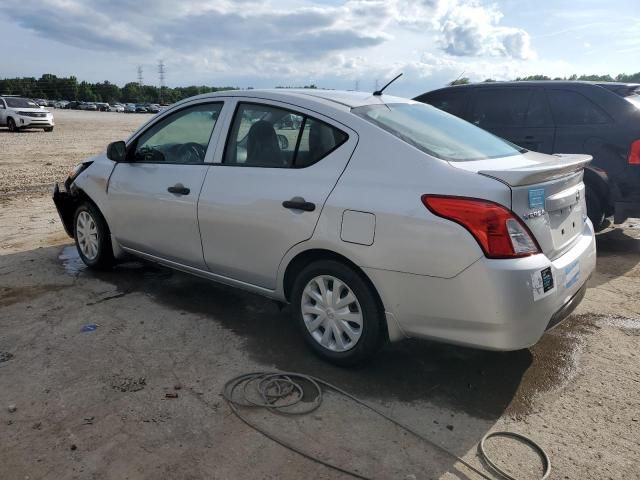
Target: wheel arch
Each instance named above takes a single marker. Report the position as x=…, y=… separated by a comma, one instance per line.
x=599, y=182
x=305, y=257
x=67, y=204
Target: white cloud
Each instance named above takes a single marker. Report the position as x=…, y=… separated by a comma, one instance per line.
x=285, y=40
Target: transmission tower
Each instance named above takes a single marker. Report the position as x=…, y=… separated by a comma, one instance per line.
x=140, y=76
x=357, y=85
x=161, y=75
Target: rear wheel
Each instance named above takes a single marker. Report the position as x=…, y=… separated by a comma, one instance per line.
x=11, y=124
x=595, y=209
x=338, y=312
x=48, y=129
x=92, y=236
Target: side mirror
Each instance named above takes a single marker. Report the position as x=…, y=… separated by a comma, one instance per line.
x=117, y=151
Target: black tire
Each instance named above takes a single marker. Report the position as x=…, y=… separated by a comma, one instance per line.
x=595, y=210
x=48, y=129
x=11, y=124
x=373, y=332
x=103, y=259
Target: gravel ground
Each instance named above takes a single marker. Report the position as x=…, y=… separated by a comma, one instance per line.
x=47, y=157
x=94, y=404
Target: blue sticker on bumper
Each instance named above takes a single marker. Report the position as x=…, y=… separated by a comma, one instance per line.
x=536, y=198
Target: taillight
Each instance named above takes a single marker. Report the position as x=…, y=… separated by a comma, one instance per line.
x=499, y=232
x=634, y=153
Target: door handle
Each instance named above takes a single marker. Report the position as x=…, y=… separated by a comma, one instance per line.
x=299, y=203
x=178, y=189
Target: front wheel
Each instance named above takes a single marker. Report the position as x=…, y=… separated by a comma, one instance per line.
x=338, y=312
x=92, y=236
x=11, y=124
x=48, y=129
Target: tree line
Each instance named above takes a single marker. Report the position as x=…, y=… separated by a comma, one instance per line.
x=622, y=77
x=51, y=87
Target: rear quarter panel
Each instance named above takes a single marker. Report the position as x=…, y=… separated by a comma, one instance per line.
x=387, y=177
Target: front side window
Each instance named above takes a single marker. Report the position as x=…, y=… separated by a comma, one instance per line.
x=21, y=103
x=573, y=108
x=182, y=137
x=267, y=136
x=436, y=132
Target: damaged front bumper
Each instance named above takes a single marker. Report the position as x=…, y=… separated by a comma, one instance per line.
x=66, y=205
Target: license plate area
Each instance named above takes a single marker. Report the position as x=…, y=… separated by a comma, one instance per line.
x=566, y=224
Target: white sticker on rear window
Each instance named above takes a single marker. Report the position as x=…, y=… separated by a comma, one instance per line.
x=542, y=283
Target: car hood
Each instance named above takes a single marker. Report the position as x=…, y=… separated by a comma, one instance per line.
x=35, y=110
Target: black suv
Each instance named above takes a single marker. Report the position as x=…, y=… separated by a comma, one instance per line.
x=600, y=119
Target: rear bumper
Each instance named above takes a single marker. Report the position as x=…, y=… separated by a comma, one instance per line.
x=625, y=210
x=491, y=304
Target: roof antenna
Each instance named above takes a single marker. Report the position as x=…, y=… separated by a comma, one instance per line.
x=377, y=93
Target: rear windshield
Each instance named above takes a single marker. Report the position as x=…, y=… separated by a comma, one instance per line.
x=436, y=132
x=13, y=102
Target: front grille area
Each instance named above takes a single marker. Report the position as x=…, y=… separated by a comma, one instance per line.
x=33, y=114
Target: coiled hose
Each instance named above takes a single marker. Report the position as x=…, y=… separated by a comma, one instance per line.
x=282, y=391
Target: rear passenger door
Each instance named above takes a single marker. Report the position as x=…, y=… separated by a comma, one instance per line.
x=518, y=114
x=267, y=186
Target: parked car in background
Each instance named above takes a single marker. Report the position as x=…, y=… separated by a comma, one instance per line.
x=130, y=108
x=103, y=107
x=384, y=218
x=599, y=119
x=116, y=107
x=61, y=104
x=141, y=108
x=153, y=108
x=17, y=113
x=72, y=105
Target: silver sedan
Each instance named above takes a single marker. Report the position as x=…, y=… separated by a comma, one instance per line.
x=377, y=218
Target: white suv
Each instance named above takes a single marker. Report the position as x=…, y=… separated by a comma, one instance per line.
x=17, y=113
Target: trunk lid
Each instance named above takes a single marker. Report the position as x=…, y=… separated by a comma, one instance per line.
x=547, y=193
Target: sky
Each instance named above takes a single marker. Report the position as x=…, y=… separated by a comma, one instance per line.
x=353, y=44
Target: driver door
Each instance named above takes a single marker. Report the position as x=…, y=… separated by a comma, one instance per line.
x=153, y=195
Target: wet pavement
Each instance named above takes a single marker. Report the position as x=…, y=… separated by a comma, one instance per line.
x=479, y=383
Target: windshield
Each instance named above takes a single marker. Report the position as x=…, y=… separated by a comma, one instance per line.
x=13, y=102
x=436, y=132
x=634, y=100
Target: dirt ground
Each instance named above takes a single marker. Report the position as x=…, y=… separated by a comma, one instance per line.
x=93, y=405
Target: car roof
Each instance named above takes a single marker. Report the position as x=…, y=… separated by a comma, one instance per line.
x=538, y=83
x=339, y=99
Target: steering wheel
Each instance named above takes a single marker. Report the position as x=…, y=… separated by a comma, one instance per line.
x=191, y=152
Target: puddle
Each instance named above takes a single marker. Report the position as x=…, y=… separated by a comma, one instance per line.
x=480, y=383
x=71, y=261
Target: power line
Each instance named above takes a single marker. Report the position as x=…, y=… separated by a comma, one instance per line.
x=161, y=74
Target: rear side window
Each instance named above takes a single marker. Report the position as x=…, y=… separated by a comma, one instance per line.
x=500, y=107
x=573, y=108
x=436, y=132
x=450, y=101
x=267, y=136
